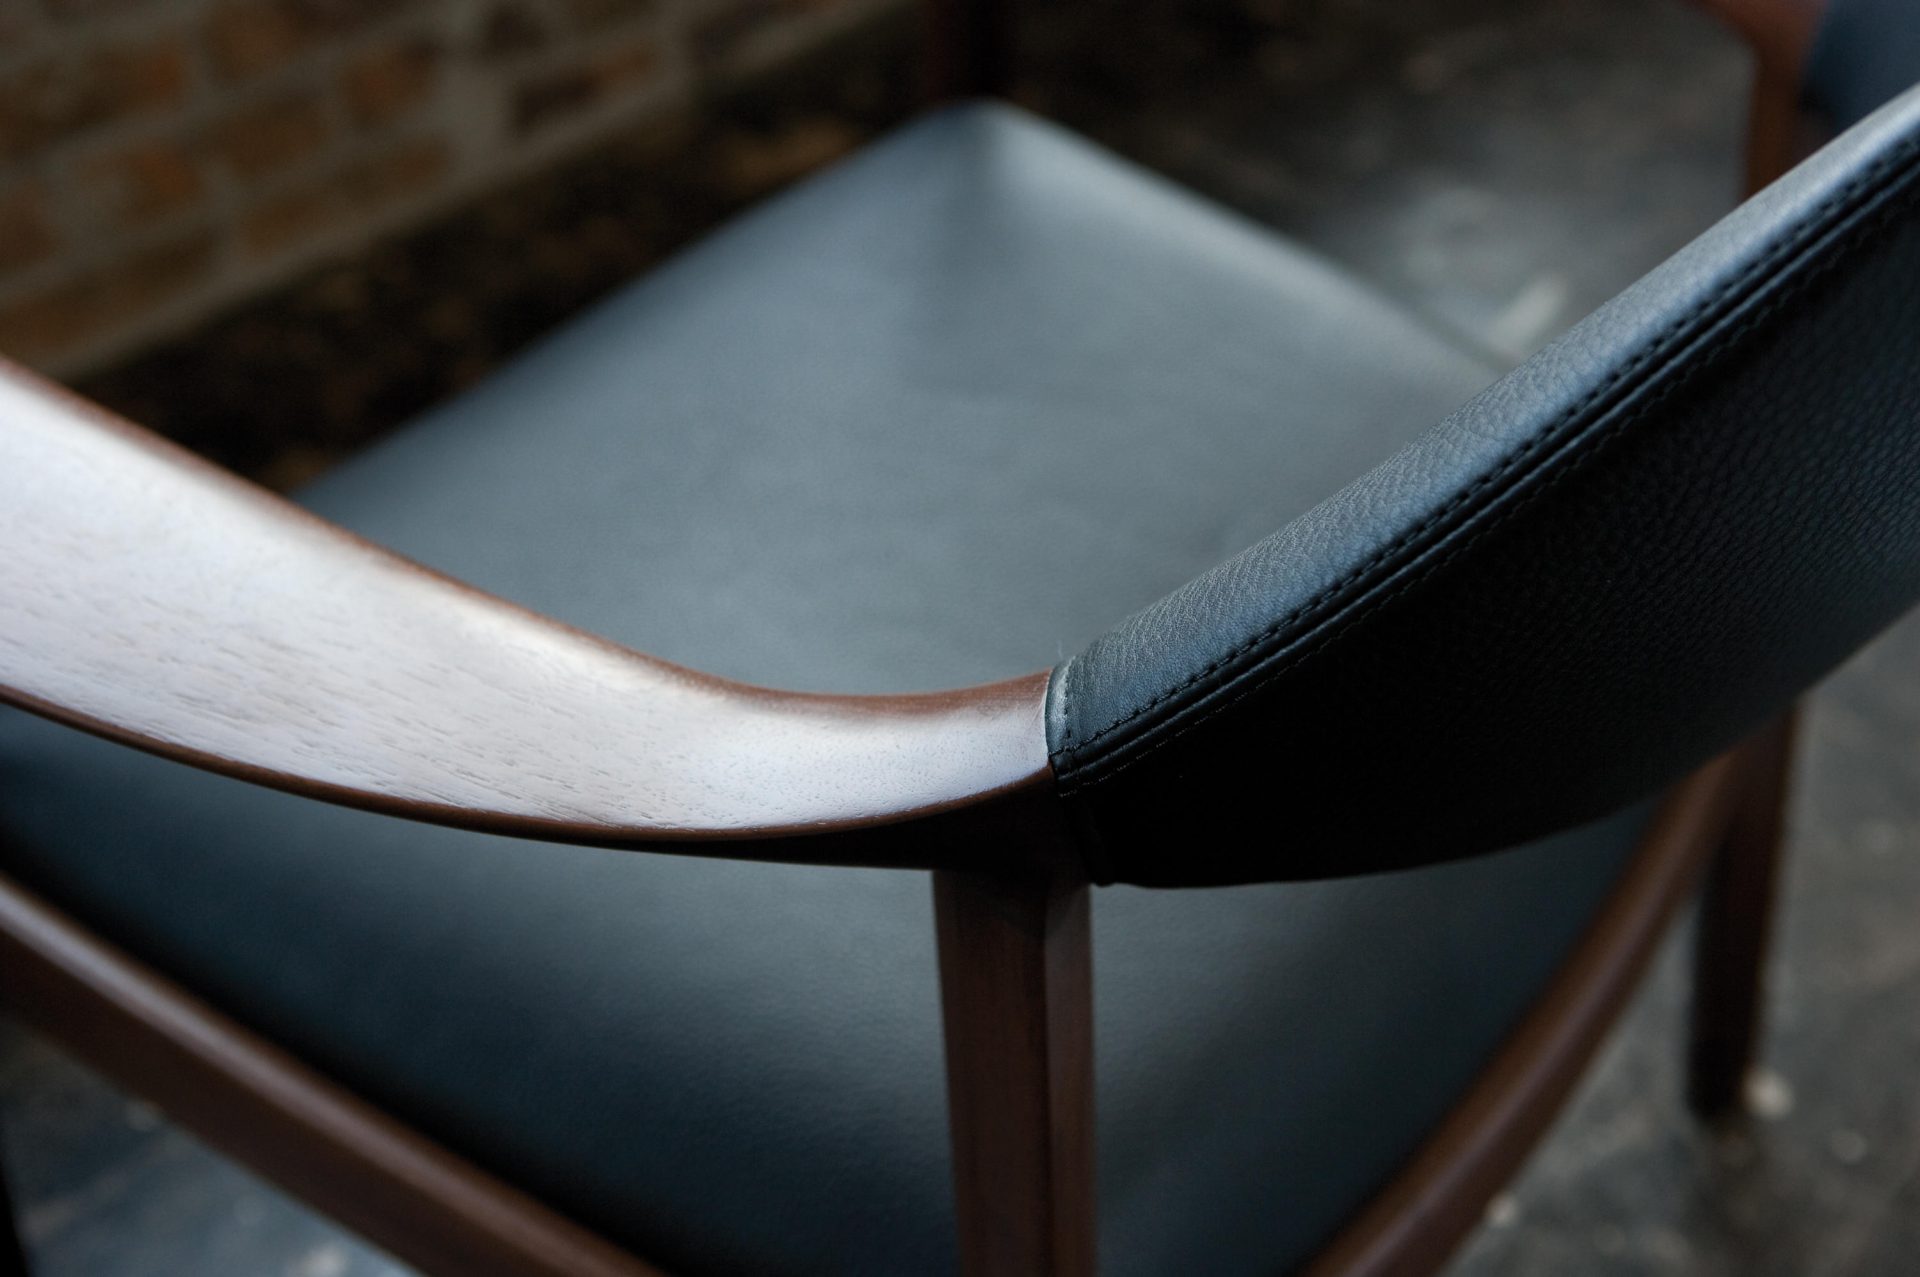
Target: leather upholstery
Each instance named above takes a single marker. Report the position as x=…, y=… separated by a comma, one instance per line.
x=929, y=419
x=735, y=1068
x=1866, y=53
x=939, y=418
x=1604, y=569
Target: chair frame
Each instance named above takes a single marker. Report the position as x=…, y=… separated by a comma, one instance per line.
x=1011, y=910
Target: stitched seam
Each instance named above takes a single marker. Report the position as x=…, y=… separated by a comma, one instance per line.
x=1810, y=227
x=1586, y=450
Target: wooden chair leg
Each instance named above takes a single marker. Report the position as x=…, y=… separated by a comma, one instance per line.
x=13, y=1255
x=1773, y=127
x=12, y=1252
x=1016, y=987
x=969, y=48
x=1730, y=940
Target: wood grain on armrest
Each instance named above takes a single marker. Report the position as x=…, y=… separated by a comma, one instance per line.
x=150, y=597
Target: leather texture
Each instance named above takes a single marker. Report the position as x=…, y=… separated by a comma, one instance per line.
x=959, y=403
x=1867, y=52
x=735, y=1068
x=1606, y=568
x=937, y=419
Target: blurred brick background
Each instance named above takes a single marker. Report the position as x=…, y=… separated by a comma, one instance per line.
x=161, y=160
x=1500, y=166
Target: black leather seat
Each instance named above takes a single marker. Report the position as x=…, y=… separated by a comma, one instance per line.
x=986, y=390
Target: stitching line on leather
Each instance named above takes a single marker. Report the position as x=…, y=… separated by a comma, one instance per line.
x=1811, y=226
x=1363, y=606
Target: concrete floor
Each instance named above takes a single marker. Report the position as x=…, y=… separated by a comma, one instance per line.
x=1502, y=166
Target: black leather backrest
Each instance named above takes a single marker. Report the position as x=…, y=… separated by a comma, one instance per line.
x=1605, y=569
x=1867, y=51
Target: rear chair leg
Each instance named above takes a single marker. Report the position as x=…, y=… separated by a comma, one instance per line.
x=969, y=48
x=13, y=1256
x=1730, y=941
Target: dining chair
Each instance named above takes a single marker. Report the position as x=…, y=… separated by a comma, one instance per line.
x=1386, y=808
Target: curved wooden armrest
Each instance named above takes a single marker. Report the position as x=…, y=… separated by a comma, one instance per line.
x=155, y=599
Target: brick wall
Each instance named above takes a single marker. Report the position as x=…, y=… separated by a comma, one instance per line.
x=161, y=159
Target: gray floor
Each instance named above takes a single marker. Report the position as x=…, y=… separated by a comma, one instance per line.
x=1502, y=165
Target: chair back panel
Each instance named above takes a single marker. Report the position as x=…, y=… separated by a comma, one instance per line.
x=1605, y=569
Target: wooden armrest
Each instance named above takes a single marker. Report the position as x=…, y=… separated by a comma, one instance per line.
x=155, y=599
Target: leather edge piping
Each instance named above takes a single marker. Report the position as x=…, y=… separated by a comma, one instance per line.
x=1830, y=216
